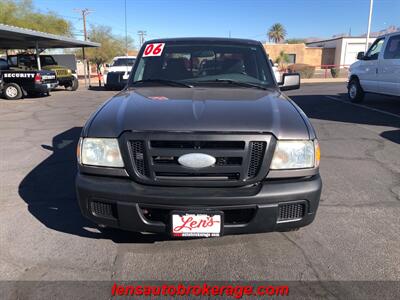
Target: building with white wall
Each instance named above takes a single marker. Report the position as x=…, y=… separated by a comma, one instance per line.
x=346, y=48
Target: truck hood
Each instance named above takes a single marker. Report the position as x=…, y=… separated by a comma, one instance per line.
x=54, y=67
x=198, y=110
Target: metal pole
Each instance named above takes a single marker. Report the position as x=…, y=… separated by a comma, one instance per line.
x=37, y=56
x=126, y=32
x=84, y=12
x=86, y=68
x=371, y=3
x=84, y=65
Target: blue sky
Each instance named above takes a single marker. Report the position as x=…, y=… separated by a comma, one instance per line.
x=242, y=18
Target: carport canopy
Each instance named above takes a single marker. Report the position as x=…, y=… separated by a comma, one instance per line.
x=20, y=38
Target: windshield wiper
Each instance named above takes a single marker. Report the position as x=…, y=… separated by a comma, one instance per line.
x=238, y=83
x=163, y=81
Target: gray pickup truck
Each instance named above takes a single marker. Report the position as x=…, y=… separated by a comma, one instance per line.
x=201, y=142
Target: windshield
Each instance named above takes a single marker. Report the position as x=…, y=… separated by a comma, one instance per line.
x=205, y=64
x=123, y=62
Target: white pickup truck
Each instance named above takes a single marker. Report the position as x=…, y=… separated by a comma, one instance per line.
x=116, y=74
x=377, y=71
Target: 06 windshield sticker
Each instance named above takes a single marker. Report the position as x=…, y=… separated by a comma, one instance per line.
x=153, y=49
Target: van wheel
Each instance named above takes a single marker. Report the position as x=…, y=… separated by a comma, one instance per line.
x=12, y=91
x=355, y=92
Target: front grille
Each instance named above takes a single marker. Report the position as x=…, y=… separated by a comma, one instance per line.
x=61, y=72
x=257, y=150
x=115, y=78
x=239, y=158
x=102, y=209
x=138, y=155
x=291, y=212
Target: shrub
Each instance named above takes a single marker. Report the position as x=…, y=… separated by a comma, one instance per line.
x=306, y=71
x=335, y=72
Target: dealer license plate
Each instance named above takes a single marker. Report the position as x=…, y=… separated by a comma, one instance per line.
x=196, y=224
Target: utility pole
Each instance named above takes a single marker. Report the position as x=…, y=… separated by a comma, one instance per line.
x=84, y=12
x=371, y=4
x=142, y=34
x=126, y=32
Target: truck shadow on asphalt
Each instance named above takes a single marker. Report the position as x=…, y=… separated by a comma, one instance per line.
x=319, y=107
x=49, y=192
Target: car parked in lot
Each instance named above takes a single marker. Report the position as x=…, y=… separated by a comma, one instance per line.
x=116, y=75
x=201, y=142
x=15, y=84
x=377, y=71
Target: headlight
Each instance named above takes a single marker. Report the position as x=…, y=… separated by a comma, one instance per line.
x=296, y=155
x=99, y=152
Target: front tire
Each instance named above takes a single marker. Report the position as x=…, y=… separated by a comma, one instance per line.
x=12, y=91
x=73, y=85
x=355, y=91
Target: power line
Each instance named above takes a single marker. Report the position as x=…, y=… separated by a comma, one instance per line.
x=84, y=13
x=141, y=34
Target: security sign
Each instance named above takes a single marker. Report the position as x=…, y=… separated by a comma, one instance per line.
x=153, y=49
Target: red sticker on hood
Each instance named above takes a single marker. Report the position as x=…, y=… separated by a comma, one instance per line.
x=158, y=98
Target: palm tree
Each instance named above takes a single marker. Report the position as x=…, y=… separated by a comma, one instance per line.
x=277, y=33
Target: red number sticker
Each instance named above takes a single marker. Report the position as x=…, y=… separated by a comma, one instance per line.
x=153, y=49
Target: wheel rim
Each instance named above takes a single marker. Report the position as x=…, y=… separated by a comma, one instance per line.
x=353, y=91
x=11, y=92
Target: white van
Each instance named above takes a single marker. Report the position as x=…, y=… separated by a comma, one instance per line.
x=377, y=71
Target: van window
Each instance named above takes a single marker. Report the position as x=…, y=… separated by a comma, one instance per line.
x=392, y=50
x=375, y=49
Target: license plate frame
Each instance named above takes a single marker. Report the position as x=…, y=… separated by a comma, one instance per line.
x=199, y=215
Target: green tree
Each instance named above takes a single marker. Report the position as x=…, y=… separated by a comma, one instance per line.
x=111, y=45
x=282, y=60
x=277, y=33
x=22, y=13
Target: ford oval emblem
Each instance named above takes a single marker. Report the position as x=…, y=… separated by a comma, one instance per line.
x=196, y=160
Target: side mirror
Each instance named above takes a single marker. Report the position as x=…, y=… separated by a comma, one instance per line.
x=107, y=65
x=290, y=81
x=360, y=55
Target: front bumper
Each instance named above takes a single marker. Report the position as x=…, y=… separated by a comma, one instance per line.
x=115, y=80
x=124, y=203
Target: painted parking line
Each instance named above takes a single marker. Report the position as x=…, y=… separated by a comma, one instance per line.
x=363, y=106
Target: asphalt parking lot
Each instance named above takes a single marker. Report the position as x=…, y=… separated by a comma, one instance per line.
x=355, y=235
